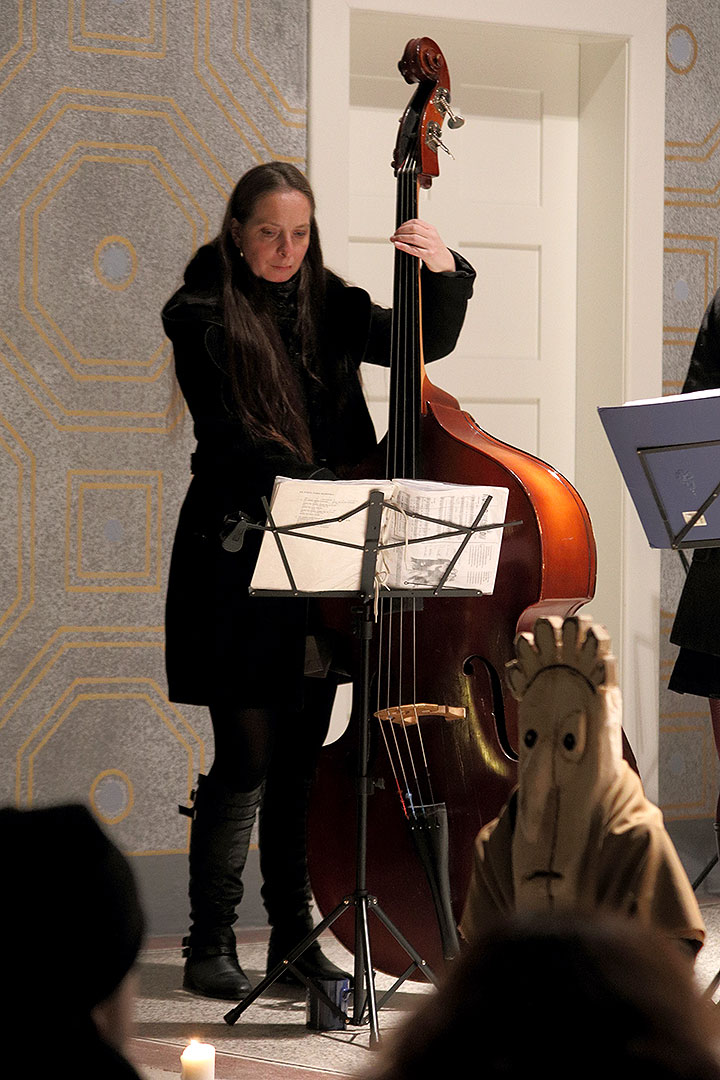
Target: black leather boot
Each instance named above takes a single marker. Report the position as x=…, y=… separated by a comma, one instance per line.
x=286, y=888
x=219, y=843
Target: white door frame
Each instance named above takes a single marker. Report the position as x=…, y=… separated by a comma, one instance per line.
x=620, y=283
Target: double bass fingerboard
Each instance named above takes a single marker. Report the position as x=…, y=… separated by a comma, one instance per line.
x=406, y=343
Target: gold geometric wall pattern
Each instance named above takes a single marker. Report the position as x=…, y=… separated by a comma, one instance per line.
x=125, y=126
x=700, y=149
x=692, y=176
x=100, y=420
x=97, y=723
x=17, y=567
x=691, y=265
x=102, y=263
x=111, y=258
x=124, y=714
x=681, y=49
x=247, y=50
x=113, y=531
x=223, y=42
x=18, y=38
x=108, y=28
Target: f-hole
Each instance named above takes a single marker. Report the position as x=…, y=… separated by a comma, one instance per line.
x=498, y=705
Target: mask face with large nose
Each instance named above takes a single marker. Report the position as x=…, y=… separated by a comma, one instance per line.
x=569, y=756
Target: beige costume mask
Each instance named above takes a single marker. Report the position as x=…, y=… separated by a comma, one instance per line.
x=570, y=747
x=578, y=831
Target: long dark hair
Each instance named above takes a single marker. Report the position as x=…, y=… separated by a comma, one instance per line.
x=265, y=386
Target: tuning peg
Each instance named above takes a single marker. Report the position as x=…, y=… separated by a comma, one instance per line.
x=434, y=141
x=442, y=102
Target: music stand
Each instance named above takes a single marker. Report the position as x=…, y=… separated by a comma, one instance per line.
x=674, y=483
x=359, y=899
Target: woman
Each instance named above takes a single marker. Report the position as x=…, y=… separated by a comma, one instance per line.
x=267, y=348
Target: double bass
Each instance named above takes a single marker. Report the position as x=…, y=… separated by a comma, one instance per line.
x=449, y=766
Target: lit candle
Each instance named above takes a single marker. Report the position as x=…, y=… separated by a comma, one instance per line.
x=198, y=1061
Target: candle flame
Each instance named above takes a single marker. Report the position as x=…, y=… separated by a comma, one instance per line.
x=197, y=1051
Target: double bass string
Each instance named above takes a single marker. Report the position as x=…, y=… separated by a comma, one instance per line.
x=401, y=461
x=395, y=444
x=408, y=798
x=413, y=355
x=383, y=732
x=414, y=363
x=408, y=268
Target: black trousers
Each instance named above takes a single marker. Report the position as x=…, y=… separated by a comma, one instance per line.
x=256, y=745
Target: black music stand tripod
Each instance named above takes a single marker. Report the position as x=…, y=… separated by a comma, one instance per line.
x=679, y=540
x=364, y=995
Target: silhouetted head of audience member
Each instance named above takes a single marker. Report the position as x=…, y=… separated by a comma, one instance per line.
x=72, y=928
x=566, y=997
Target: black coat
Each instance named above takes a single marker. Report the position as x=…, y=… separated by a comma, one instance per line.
x=220, y=642
x=697, y=622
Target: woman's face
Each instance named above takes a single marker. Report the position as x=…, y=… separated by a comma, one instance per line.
x=277, y=234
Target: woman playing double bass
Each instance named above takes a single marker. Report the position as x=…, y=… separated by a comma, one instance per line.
x=268, y=344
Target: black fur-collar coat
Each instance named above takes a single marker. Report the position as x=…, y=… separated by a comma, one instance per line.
x=221, y=643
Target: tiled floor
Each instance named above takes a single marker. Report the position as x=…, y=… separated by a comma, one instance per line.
x=271, y=1041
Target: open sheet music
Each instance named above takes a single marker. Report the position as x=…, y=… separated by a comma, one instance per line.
x=401, y=564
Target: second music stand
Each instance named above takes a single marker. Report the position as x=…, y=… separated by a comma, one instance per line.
x=674, y=483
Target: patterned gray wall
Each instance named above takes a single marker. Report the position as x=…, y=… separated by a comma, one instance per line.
x=688, y=761
x=125, y=125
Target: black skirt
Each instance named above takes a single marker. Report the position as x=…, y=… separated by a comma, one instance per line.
x=696, y=673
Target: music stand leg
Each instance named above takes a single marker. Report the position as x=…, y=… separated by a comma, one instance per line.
x=369, y=973
x=360, y=970
x=364, y=997
x=715, y=722
x=364, y=975
x=288, y=962
x=710, y=865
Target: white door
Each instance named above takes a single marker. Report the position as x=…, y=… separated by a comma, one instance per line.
x=507, y=202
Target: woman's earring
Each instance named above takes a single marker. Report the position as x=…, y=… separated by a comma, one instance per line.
x=236, y=233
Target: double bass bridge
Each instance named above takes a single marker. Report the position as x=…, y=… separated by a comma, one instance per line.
x=410, y=714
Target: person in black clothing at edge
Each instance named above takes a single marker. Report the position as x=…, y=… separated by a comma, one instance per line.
x=70, y=892
x=267, y=344
x=696, y=628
